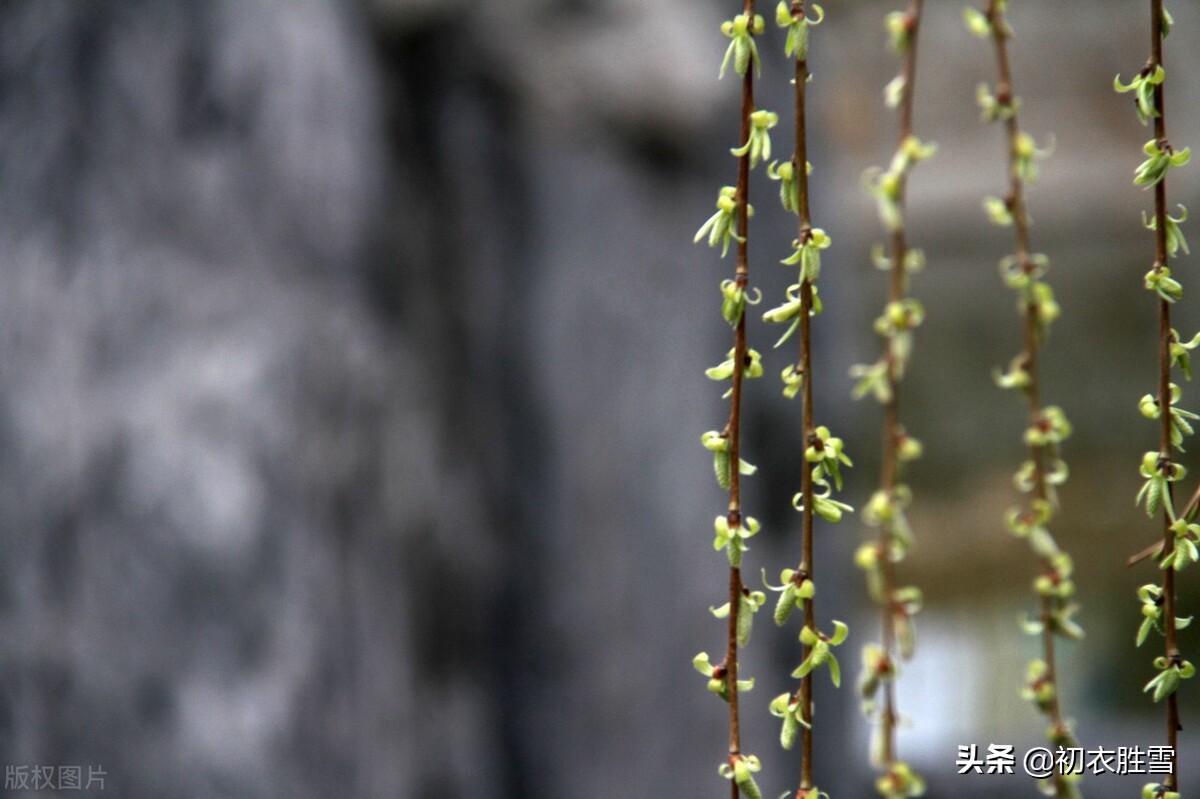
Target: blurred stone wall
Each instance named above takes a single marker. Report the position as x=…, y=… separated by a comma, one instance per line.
x=239, y=551
x=352, y=379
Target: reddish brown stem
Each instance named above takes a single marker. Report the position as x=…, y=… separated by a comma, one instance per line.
x=1164, y=390
x=897, y=290
x=806, y=567
x=1016, y=203
x=740, y=357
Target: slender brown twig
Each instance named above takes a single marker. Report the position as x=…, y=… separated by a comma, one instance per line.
x=1178, y=546
x=807, y=566
x=729, y=224
x=886, y=509
x=734, y=427
x=893, y=432
x=823, y=455
x=1164, y=390
x=1047, y=426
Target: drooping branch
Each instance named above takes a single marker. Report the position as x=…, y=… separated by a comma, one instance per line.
x=820, y=471
x=731, y=225
x=886, y=510
x=1179, y=535
x=1024, y=272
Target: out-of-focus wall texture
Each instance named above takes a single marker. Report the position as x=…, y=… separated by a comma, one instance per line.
x=351, y=386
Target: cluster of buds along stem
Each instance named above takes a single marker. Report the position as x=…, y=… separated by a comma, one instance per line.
x=1039, y=475
x=1158, y=469
x=732, y=530
x=885, y=511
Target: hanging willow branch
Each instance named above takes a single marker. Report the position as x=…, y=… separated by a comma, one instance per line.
x=886, y=509
x=1024, y=272
x=730, y=224
x=820, y=474
x=1178, y=546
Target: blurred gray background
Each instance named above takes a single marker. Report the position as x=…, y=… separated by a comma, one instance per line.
x=352, y=385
